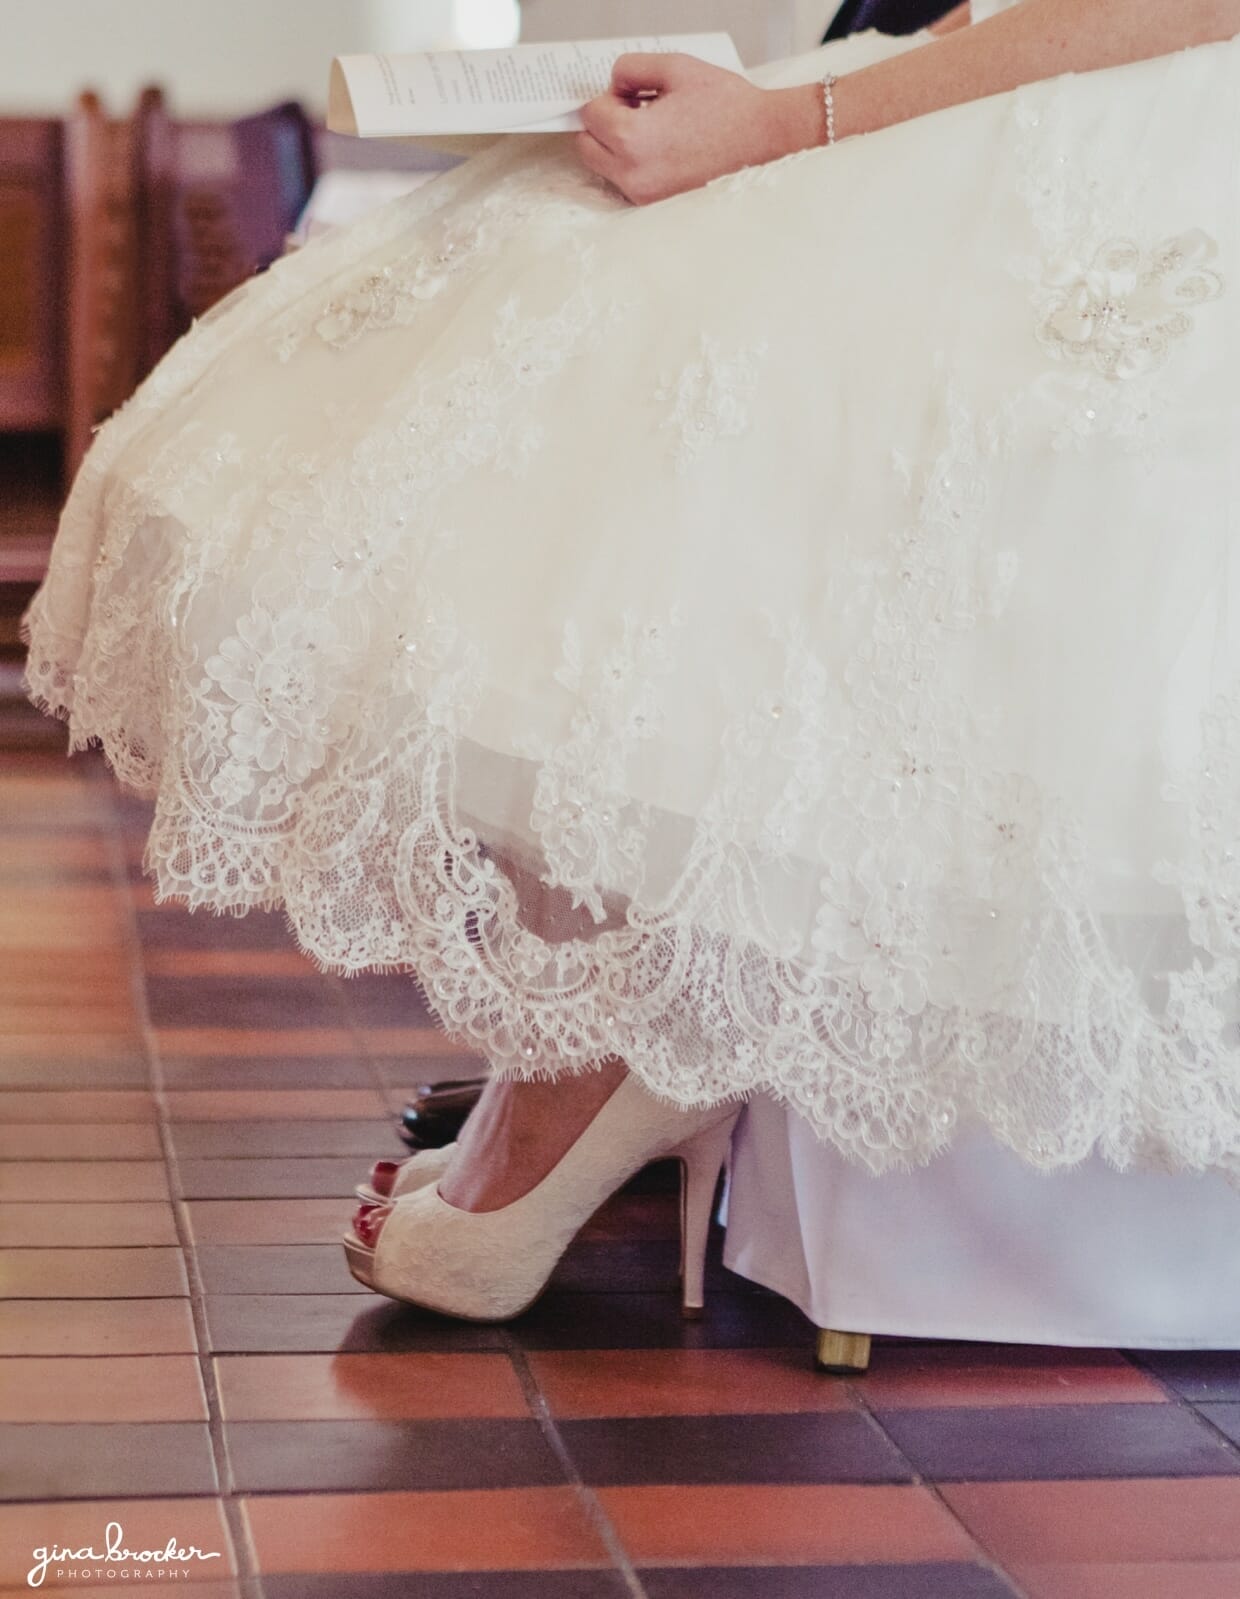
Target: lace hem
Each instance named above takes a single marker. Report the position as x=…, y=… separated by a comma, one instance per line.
x=702, y=1016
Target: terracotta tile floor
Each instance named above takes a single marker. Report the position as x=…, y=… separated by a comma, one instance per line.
x=185, y=1103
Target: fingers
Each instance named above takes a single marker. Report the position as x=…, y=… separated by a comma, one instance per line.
x=634, y=72
x=598, y=158
x=604, y=118
x=618, y=170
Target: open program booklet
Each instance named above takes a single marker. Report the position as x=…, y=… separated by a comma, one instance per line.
x=530, y=88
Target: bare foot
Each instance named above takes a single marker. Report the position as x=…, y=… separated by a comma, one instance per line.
x=519, y=1130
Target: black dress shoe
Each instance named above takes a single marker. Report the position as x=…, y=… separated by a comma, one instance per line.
x=436, y=1113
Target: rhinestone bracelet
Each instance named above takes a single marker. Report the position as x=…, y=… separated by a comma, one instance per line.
x=828, y=103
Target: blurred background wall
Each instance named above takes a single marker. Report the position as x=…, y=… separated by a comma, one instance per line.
x=226, y=57
x=216, y=56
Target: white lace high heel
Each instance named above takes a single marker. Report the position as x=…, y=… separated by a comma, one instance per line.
x=492, y=1265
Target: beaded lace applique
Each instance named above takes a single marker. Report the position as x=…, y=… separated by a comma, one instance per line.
x=1121, y=312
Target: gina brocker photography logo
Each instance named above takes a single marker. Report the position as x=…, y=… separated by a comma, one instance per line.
x=116, y=1562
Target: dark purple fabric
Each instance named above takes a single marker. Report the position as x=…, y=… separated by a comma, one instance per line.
x=888, y=16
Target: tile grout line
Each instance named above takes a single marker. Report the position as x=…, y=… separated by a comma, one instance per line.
x=595, y=1514
x=248, y=1579
x=1184, y=1403
x=357, y=1040
x=987, y=1559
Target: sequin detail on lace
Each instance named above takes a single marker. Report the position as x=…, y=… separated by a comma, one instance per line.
x=1110, y=302
x=1122, y=311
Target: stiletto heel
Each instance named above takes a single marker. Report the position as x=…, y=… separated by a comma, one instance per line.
x=701, y=1158
x=491, y=1265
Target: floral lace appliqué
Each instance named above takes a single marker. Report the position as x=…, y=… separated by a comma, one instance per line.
x=1110, y=300
x=709, y=399
x=1120, y=312
x=590, y=833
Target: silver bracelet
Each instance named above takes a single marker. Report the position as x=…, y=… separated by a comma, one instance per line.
x=828, y=103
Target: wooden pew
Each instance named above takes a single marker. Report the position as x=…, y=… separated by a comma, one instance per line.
x=67, y=322
x=214, y=203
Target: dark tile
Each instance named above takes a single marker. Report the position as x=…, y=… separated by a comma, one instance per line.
x=249, y=1002
x=87, y=1072
x=297, y=1177
x=648, y=1266
x=404, y=1072
x=547, y=1584
x=385, y=999
x=316, y=1071
x=371, y=1456
x=364, y=1141
x=315, y=1323
x=106, y=1460
x=276, y=1269
x=561, y=1320
x=979, y=1375
x=833, y=1447
x=1225, y=1417
x=134, y=813
x=177, y=928
x=639, y=1266
x=948, y=1581
x=1196, y=1373
x=1040, y=1442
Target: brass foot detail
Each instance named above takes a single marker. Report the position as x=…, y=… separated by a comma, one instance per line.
x=842, y=1351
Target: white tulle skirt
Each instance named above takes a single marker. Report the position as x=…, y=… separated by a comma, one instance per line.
x=785, y=636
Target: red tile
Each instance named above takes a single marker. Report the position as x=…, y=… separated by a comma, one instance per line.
x=365, y=1387
x=102, y=1388
x=91, y=1180
x=53, y=858
x=253, y=1040
x=91, y=1274
x=683, y=1382
x=1125, y=1520
x=514, y=1529
x=100, y=1327
x=77, y=1105
x=270, y=1221
x=310, y=1104
x=57, y=1142
x=110, y=1044
x=82, y=1525
x=49, y=1225
x=227, y=963
x=1189, y=1579
x=772, y=1526
x=64, y=919
x=416, y=1041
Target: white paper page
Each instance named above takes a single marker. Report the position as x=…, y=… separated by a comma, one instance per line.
x=530, y=88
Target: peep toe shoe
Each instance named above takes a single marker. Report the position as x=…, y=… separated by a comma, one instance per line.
x=492, y=1265
x=389, y=1179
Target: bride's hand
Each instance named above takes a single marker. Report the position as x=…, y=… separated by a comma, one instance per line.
x=670, y=123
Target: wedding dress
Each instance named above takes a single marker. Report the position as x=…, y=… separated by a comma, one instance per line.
x=784, y=636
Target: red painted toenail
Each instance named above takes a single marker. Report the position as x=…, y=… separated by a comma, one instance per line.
x=367, y=1221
